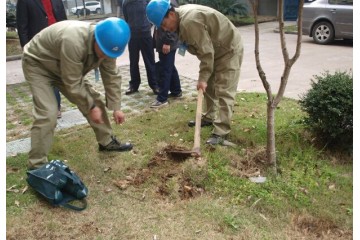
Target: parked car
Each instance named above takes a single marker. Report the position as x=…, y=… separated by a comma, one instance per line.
x=92, y=6
x=326, y=20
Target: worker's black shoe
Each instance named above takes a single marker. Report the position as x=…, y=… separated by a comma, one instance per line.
x=219, y=140
x=204, y=123
x=115, y=145
x=215, y=140
x=131, y=91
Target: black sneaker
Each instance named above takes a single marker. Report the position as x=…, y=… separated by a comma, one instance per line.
x=172, y=95
x=131, y=91
x=204, y=123
x=115, y=145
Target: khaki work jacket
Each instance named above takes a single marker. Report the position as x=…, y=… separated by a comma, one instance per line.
x=66, y=51
x=209, y=35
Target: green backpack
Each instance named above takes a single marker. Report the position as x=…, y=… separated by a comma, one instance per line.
x=58, y=185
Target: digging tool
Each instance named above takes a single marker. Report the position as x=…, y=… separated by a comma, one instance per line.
x=196, y=148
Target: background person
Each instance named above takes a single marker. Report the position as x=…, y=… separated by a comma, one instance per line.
x=217, y=43
x=140, y=41
x=61, y=55
x=34, y=15
x=166, y=45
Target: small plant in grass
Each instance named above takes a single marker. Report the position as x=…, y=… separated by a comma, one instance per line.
x=329, y=105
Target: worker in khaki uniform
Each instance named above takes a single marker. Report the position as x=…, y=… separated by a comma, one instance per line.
x=61, y=55
x=216, y=42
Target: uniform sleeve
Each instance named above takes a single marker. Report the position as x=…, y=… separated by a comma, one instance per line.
x=200, y=44
x=111, y=78
x=71, y=65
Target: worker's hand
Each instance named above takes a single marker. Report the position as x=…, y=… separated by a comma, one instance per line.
x=166, y=49
x=201, y=85
x=119, y=117
x=96, y=115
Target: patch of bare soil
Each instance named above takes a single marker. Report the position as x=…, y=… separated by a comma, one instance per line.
x=168, y=174
x=317, y=228
x=171, y=177
x=251, y=165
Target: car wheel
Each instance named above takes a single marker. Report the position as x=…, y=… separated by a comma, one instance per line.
x=87, y=12
x=323, y=33
x=98, y=10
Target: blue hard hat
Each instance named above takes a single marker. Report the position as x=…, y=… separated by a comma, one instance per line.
x=112, y=35
x=156, y=11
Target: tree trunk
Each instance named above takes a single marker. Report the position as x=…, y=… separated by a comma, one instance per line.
x=270, y=146
x=273, y=101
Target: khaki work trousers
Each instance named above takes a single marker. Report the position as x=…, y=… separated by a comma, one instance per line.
x=45, y=111
x=221, y=91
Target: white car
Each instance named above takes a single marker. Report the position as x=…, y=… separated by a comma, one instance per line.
x=92, y=6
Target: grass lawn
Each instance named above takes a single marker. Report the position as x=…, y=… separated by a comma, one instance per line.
x=146, y=194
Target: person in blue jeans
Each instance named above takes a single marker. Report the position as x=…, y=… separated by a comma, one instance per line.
x=140, y=41
x=166, y=45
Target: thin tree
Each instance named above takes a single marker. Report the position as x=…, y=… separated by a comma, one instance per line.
x=274, y=100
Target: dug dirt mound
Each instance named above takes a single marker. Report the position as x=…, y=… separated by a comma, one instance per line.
x=173, y=177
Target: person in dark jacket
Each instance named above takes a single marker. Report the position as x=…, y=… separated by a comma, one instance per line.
x=32, y=16
x=166, y=45
x=140, y=41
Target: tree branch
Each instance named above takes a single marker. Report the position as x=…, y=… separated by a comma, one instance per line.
x=262, y=75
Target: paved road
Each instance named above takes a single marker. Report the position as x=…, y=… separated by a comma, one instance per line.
x=314, y=60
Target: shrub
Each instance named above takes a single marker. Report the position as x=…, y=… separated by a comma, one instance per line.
x=226, y=7
x=329, y=105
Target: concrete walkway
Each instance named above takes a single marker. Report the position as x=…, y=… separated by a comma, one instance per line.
x=133, y=104
x=69, y=119
x=314, y=60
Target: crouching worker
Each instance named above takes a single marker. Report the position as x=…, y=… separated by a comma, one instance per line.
x=61, y=55
x=217, y=43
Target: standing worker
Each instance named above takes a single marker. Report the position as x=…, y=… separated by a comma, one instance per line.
x=166, y=44
x=61, y=55
x=217, y=43
x=140, y=41
x=34, y=15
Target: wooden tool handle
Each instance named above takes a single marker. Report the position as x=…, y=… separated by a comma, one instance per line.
x=196, y=147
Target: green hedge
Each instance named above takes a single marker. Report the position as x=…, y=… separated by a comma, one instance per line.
x=329, y=105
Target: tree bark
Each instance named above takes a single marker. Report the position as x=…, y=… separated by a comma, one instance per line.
x=270, y=146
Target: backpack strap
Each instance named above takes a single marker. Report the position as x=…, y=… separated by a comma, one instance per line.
x=68, y=200
x=73, y=207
